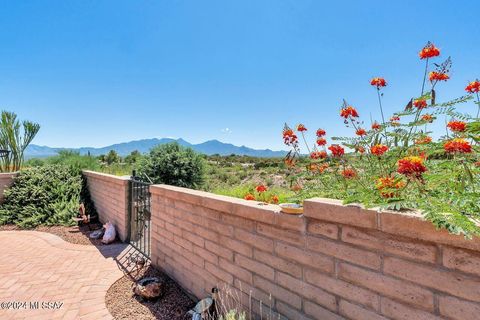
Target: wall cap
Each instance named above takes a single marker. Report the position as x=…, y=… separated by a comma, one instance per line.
x=409, y=224
x=9, y=174
x=107, y=177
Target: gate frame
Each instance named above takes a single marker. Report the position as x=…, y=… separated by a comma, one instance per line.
x=146, y=250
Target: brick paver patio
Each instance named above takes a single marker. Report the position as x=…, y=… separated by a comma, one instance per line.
x=41, y=267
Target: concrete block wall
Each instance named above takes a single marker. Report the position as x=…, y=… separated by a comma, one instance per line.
x=333, y=262
x=6, y=180
x=110, y=196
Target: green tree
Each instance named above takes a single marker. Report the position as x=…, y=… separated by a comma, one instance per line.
x=174, y=165
x=133, y=157
x=13, y=140
x=112, y=157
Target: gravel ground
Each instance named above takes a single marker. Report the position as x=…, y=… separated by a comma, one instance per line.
x=124, y=305
x=77, y=235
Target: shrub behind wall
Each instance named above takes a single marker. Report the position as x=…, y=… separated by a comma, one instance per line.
x=174, y=165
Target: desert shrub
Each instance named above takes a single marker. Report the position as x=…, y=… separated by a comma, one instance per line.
x=46, y=195
x=112, y=157
x=133, y=157
x=240, y=191
x=74, y=160
x=34, y=162
x=398, y=163
x=118, y=169
x=174, y=165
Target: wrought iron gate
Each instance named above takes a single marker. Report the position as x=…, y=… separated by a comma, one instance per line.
x=139, y=211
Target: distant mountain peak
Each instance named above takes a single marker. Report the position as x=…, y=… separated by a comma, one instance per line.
x=209, y=147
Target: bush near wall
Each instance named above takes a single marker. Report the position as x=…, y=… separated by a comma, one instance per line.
x=47, y=195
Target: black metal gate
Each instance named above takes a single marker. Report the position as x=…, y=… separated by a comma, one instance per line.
x=140, y=214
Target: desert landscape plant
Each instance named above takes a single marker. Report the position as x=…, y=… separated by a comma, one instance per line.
x=13, y=140
x=174, y=165
x=400, y=163
x=46, y=195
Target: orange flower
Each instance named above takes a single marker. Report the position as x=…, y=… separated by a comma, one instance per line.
x=387, y=194
x=301, y=128
x=318, y=155
x=376, y=126
x=321, y=141
x=400, y=184
x=438, y=76
x=457, y=146
x=420, y=103
x=323, y=167
x=261, y=188
x=473, y=87
x=457, y=126
x=336, y=150
x=289, y=162
x=289, y=137
x=349, y=173
x=360, y=132
x=274, y=199
x=378, y=82
x=411, y=166
x=321, y=133
x=477, y=164
x=348, y=112
x=386, y=184
x=429, y=51
x=249, y=196
x=427, y=117
x=378, y=149
x=320, y=168
x=423, y=140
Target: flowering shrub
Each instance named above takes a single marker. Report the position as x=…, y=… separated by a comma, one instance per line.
x=400, y=163
x=260, y=194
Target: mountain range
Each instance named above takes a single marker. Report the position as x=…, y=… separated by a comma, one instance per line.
x=143, y=146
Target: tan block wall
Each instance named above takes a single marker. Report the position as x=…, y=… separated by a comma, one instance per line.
x=110, y=196
x=6, y=180
x=334, y=262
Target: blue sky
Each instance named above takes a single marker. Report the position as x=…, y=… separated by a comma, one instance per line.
x=93, y=73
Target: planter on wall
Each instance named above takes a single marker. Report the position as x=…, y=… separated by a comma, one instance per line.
x=291, y=208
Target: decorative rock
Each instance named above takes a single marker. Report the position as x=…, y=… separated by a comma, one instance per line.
x=149, y=288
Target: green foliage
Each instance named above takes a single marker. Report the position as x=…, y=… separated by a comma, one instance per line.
x=118, y=169
x=133, y=157
x=34, y=162
x=112, y=157
x=234, y=315
x=74, y=160
x=438, y=178
x=46, y=195
x=239, y=191
x=174, y=165
x=12, y=139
